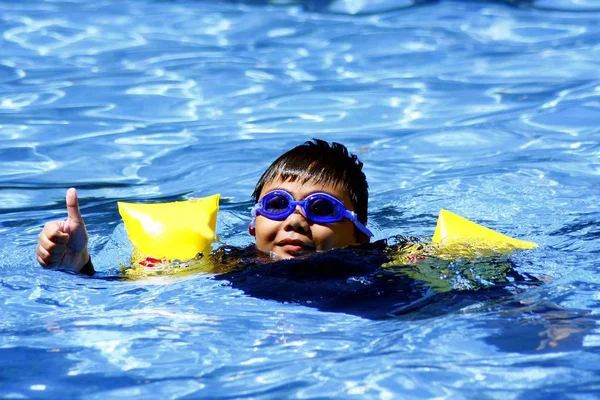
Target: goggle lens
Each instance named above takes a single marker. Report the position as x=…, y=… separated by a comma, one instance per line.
x=276, y=204
x=321, y=207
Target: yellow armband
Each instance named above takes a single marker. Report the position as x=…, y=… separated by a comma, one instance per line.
x=455, y=232
x=457, y=237
x=177, y=230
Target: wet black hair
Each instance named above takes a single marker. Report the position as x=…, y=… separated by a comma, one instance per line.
x=322, y=163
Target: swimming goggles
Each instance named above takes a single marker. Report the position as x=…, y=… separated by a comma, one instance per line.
x=319, y=207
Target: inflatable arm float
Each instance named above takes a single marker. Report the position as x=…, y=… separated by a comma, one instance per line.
x=176, y=231
x=453, y=231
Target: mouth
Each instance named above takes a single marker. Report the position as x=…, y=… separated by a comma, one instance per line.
x=296, y=247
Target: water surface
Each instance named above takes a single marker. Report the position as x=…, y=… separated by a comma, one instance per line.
x=488, y=109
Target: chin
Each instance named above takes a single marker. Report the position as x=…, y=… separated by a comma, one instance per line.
x=281, y=256
x=291, y=254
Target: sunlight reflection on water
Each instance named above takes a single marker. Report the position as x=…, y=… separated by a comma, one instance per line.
x=488, y=109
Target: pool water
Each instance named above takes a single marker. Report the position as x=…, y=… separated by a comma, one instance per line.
x=490, y=109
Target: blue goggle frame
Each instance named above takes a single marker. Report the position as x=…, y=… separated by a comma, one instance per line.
x=280, y=204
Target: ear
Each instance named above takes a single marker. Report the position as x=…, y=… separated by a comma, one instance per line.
x=251, y=229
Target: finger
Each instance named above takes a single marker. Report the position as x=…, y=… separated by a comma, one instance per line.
x=73, y=206
x=42, y=262
x=57, y=251
x=51, y=245
x=53, y=232
x=55, y=259
x=47, y=259
x=42, y=255
x=53, y=249
x=55, y=254
x=56, y=236
x=61, y=238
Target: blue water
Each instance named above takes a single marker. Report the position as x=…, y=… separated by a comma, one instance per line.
x=488, y=109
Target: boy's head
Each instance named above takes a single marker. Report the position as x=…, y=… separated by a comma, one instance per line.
x=313, y=167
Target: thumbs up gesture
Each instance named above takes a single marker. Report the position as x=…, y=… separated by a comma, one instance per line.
x=64, y=243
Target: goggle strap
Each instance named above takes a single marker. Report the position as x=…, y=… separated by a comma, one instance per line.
x=363, y=228
x=253, y=213
x=351, y=215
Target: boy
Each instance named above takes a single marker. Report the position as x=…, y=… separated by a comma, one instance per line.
x=312, y=198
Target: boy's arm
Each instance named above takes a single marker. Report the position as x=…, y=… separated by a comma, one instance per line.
x=63, y=244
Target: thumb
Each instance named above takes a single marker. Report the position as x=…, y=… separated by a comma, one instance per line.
x=73, y=211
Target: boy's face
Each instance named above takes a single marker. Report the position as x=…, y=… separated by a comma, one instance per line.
x=296, y=235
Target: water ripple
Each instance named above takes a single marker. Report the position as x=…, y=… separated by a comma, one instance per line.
x=484, y=108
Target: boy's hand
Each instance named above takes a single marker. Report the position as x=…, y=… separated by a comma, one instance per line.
x=64, y=243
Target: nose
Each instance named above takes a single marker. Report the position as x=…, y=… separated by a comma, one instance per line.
x=297, y=222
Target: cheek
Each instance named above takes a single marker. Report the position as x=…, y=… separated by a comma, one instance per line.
x=265, y=232
x=333, y=236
